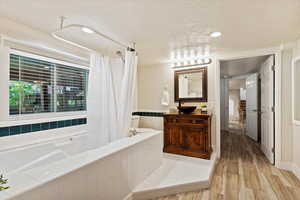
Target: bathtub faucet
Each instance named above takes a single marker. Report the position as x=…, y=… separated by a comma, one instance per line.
x=133, y=132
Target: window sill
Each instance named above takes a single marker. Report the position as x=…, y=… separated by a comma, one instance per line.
x=40, y=118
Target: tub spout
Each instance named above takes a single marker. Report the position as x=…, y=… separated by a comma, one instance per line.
x=133, y=132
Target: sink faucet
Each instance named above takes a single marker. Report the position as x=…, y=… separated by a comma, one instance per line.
x=180, y=102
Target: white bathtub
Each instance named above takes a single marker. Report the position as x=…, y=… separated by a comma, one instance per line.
x=64, y=169
x=31, y=156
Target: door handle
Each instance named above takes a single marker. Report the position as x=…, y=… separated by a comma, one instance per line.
x=254, y=110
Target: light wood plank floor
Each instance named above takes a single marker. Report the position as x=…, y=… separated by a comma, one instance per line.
x=243, y=172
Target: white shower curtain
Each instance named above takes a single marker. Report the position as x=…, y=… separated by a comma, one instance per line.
x=110, y=97
x=127, y=92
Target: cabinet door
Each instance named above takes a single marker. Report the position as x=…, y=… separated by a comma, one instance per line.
x=195, y=138
x=174, y=136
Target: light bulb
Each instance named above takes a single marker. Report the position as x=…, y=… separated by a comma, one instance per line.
x=87, y=30
x=215, y=34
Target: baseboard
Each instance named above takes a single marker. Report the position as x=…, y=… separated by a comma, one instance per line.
x=290, y=167
x=216, y=161
x=128, y=197
x=267, y=153
x=296, y=170
x=286, y=165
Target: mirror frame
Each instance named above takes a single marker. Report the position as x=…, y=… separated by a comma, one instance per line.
x=295, y=121
x=204, y=85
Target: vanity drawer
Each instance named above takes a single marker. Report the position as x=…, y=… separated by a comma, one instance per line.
x=186, y=121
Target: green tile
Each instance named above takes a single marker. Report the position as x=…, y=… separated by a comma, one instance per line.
x=26, y=128
x=75, y=122
x=68, y=123
x=53, y=125
x=36, y=127
x=4, y=131
x=60, y=124
x=45, y=126
x=14, y=130
x=80, y=121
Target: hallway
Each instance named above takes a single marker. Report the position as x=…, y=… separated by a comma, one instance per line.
x=243, y=173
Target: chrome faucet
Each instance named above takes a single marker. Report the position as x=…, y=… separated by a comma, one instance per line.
x=133, y=132
x=180, y=102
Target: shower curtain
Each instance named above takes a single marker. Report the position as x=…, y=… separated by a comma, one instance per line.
x=110, y=97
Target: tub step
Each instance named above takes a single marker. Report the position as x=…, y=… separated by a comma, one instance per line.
x=177, y=174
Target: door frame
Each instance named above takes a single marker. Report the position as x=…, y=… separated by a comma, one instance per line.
x=276, y=51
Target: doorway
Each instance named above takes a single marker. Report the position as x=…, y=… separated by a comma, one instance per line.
x=237, y=104
x=247, y=100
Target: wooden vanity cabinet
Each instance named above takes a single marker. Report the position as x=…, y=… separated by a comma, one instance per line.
x=188, y=134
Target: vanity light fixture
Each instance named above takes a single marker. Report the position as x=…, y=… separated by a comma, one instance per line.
x=87, y=30
x=206, y=60
x=215, y=34
x=196, y=62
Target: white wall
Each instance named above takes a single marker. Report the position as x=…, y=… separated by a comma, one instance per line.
x=242, y=93
x=286, y=106
x=4, y=83
x=151, y=82
x=290, y=148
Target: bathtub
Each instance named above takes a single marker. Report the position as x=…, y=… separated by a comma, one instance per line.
x=36, y=155
x=65, y=169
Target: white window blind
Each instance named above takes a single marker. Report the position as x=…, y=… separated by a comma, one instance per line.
x=39, y=86
x=70, y=88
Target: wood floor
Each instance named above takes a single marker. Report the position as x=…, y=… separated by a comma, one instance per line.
x=243, y=172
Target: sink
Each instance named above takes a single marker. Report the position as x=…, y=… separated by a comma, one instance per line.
x=186, y=109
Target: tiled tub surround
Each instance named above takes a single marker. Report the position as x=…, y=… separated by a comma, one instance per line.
x=28, y=128
x=110, y=172
x=149, y=114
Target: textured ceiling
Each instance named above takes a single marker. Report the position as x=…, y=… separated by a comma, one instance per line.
x=160, y=27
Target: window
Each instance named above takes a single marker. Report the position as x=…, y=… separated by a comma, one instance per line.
x=40, y=86
x=70, y=88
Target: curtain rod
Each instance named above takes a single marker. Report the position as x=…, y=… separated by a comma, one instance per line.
x=54, y=34
x=39, y=46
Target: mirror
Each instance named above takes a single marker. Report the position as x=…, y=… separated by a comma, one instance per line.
x=191, y=85
x=296, y=91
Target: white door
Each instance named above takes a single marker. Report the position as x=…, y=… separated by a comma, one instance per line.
x=252, y=106
x=267, y=115
x=226, y=101
x=224, y=104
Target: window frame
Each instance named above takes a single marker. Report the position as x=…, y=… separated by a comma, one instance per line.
x=54, y=114
x=294, y=62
